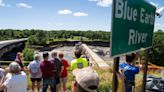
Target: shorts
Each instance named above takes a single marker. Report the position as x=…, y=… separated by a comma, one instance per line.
x=63, y=80
x=57, y=80
x=36, y=79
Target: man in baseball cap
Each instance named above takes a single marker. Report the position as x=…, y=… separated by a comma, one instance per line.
x=86, y=80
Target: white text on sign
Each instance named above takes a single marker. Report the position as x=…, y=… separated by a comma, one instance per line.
x=123, y=11
x=136, y=38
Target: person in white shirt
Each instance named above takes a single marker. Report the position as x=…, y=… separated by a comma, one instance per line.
x=35, y=72
x=2, y=76
x=16, y=81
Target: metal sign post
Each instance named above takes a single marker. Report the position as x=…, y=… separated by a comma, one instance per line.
x=145, y=70
x=115, y=71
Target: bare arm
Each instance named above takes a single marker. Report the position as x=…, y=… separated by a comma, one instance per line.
x=3, y=79
x=62, y=68
x=2, y=86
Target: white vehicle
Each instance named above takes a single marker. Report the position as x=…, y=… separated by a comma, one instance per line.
x=155, y=84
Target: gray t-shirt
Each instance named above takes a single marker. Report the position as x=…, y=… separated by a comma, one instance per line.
x=34, y=67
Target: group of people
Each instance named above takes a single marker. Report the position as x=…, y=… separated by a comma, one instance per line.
x=54, y=72
x=13, y=79
x=50, y=72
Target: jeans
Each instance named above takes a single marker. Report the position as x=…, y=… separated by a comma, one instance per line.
x=48, y=82
x=57, y=80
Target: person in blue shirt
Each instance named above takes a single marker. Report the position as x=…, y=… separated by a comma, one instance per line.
x=129, y=71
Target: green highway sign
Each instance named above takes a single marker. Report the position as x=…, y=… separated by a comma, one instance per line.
x=132, y=26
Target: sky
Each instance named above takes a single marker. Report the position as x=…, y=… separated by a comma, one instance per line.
x=61, y=14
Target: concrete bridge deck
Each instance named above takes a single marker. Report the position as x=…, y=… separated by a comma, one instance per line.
x=8, y=42
x=99, y=61
x=9, y=45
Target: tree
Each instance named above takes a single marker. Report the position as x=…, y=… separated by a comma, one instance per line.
x=32, y=40
x=157, y=52
x=159, y=30
x=28, y=54
x=40, y=38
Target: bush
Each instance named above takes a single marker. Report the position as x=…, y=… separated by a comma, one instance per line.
x=28, y=54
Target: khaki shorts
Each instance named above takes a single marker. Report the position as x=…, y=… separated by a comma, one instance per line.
x=63, y=80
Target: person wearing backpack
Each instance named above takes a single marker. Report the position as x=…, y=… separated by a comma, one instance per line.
x=35, y=72
x=129, y=71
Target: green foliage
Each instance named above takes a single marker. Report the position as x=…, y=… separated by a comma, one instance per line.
x=28, y=54
x=157, y=52
x=32, y=40
x=7, y=34
x=40, y=38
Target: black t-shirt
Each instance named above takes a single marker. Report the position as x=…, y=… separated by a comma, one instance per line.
x=20, y=63
x=58, y=66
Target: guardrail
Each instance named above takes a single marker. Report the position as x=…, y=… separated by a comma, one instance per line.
x=8, y=62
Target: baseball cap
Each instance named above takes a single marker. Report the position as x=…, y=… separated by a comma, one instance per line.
x=87, y=78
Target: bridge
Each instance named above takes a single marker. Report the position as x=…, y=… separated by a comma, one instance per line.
x=94, y=57
x=8, y=45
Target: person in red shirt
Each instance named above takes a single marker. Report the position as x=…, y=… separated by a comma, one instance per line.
x=63, y=75
x=48, y=71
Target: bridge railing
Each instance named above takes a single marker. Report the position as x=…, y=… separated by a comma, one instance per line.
x=25, y=63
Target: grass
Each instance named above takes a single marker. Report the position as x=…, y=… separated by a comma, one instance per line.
x=105, y=76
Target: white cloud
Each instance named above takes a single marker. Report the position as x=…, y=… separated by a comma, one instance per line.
x=2, y=4
x=64, y=12
x=79, y=14
x=102, y=3
x=24, y=5
x=155, y=4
